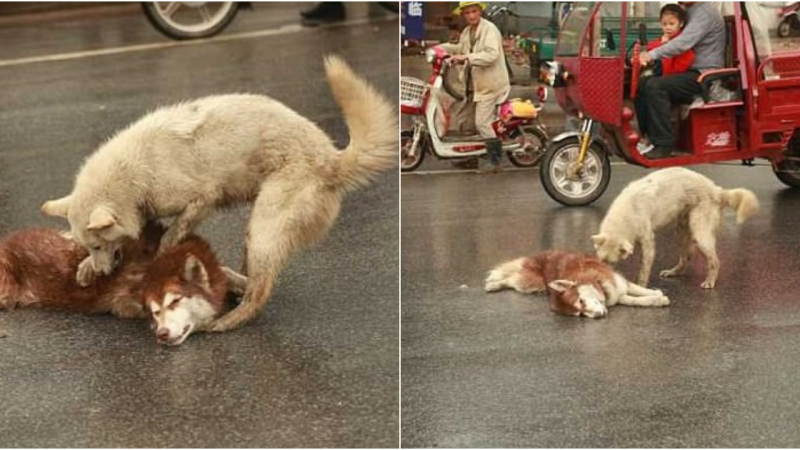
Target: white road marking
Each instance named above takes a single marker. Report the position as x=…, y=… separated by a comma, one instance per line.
x=287, y=29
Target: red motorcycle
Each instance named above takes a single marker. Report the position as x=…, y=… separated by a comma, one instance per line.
x=524, y=137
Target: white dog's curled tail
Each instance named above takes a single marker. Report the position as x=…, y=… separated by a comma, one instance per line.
x=372, y=122
x=743, y=201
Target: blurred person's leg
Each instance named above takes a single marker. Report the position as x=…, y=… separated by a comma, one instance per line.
x=323, y=12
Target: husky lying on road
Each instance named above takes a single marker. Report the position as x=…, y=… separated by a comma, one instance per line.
x=187, y=160
x=576, y=284
x=184, y=287
x=37, y=269
x=674, y=195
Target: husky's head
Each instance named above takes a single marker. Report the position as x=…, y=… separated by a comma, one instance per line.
x=612, y=249
x=101, y=229
x=179, y=304
x=573, y=299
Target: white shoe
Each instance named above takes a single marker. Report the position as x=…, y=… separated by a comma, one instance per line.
x=644, y=148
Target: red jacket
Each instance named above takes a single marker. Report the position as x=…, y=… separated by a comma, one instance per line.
x=676, y=64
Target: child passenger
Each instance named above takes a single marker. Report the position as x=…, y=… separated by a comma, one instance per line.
x=673, y=19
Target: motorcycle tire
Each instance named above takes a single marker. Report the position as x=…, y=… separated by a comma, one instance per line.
x=555, y=177
x=531, y=156
x=410, y=165
x=166, y=25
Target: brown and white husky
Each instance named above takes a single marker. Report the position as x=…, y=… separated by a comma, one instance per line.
x=37, y=270
x=576, y=284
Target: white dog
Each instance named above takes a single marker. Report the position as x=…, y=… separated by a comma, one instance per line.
x=674, y=195
x=189, y=159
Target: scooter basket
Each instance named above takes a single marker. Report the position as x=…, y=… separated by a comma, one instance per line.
x=412, y=94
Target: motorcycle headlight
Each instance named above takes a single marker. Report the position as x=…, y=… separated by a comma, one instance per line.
x=430, y=55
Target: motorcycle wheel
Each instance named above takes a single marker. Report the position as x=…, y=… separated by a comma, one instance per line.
x=190, y=20
x=410, y=163
x=574, y=189
x=537, y=144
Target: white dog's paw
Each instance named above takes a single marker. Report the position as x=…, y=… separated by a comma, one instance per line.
x=708, y=284
x=663, y=300
x=85, y=274
x=667, y=273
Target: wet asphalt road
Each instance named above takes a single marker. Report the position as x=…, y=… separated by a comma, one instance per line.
x=715, y=369
x=318, y=367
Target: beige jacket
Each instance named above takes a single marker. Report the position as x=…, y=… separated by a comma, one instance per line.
x=489, y=73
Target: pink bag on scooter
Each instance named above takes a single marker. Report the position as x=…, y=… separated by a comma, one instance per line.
x=518, y=108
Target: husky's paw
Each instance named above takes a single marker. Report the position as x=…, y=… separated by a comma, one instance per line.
x=85, y=275
x=708, y=284
x=492, y=286
x=495, y=281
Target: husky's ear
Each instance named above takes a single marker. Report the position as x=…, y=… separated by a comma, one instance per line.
x=561, y=285
x=626, y=249
x=100, y=219
x=598, y=240
x=57, y=208
x=194, y=271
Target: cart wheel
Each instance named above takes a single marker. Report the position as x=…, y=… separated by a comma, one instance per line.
x=568, y=184
x=788, y=172
x=410, y=163
x=535, y=145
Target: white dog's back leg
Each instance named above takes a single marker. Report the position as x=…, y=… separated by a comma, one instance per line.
x=290, y=213
x=704, y=222
x=686, y=248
